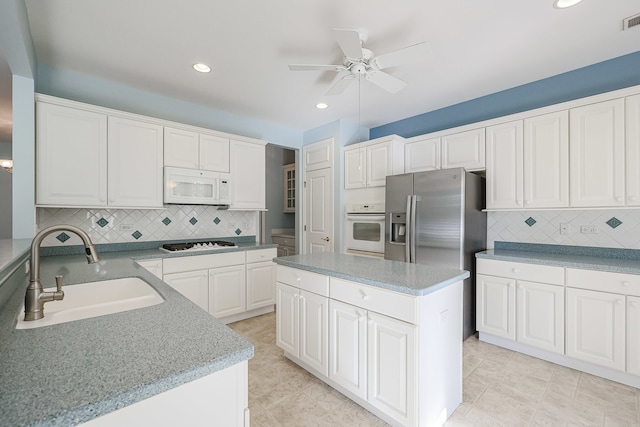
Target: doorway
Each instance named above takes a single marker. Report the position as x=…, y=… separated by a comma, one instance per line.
x=280, y=218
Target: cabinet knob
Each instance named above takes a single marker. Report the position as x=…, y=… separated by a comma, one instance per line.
x=515, y=270
x=370, y=321
x=298, y=278
x=618, y=199
x=625, y=283
x=364, y=296
x=618, y=301
x=632, y=198
x=633, y=304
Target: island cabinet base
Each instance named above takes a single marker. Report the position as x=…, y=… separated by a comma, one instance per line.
x=219, y=399
x=397, y=355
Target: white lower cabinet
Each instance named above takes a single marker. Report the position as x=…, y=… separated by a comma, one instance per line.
x=496, y=298
x=596, y=327
x=154, y=266
x=302, y=321
x=372, y=356
x=540, y=315
x=227, y=291
x=225, y=285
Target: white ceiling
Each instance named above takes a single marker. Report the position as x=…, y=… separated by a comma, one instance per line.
x=478, y=48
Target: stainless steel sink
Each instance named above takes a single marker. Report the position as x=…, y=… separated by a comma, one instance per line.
x=92, y=299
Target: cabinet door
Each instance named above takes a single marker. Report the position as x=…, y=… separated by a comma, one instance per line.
x=633, y=335
x=354, y=168
x=261, y=283
x=379, y=159
x=314, y=336
x=181, y=148
x=596, y=327
x=192, y=284
x=540, y=315
x=496, y=305
x=348, y=347
x=633, y=150
x=318, y=155
x=227, y=291
x=135, y=163
x=422, y=155
x=504, y=166
x=464, y=149
x=289, y=188
x=214, y=153
x=546, y=161
x=247, y=164
x=287, y=325
x=71, y=156
x=596, y=154
x=391, y=365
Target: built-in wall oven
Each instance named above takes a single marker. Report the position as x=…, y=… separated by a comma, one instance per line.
x=364, y=229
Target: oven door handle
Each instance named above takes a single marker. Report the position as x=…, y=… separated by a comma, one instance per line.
x=365, y=217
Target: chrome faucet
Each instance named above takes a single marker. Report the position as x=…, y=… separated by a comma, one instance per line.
x=36, y=297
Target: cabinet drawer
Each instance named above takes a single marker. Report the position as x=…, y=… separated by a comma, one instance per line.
x=605, y=281
x=521, y=271
x=383, y=301
x=261, y=255
x=312, y=282
x=199, y=262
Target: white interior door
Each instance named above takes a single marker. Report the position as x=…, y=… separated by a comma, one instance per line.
x=318, y=223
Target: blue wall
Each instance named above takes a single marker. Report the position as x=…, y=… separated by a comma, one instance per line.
x=603, y=77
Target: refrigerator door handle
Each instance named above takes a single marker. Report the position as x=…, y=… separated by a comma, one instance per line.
x=414, y=201
x=408, y=232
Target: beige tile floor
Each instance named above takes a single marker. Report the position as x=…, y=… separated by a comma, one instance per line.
x=501, y=388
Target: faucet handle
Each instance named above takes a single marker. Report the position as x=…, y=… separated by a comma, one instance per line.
x=59, y=283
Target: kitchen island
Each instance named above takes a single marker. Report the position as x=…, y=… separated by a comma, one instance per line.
x=387, y=334
x=76, y=372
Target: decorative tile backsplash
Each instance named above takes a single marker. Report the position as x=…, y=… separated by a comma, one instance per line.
x=609, y=228
x=176, y=222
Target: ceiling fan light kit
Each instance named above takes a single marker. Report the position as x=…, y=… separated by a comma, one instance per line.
x=361, y=62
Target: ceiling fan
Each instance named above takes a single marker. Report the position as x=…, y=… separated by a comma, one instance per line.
x=360, y=62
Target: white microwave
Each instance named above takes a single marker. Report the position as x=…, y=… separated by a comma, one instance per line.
x=196, y=187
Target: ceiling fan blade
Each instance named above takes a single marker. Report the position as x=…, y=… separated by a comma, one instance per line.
x=313, y=67
x=417, y=52
x=386, y=81
x=349, y=41
x=340, y=84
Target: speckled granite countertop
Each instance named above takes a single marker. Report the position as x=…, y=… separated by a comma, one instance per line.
x=72, y=372
x=589, y=258
x=413, y=279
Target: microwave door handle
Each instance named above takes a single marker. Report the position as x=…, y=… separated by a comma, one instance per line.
x=408, y=231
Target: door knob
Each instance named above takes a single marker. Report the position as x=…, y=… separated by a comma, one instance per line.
x=326, y=239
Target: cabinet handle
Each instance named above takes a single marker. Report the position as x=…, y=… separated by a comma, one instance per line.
x=364, y=296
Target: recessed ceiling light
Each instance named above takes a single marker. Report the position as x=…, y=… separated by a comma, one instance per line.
x=202, y=68
x=563, y=4
x=321, y=105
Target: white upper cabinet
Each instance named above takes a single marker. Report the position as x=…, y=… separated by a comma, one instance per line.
x=248, y=179
x=464, y=149
x=368, y=164
x=546, y=161
x=71, y=156
x=422, y=155
x=504, y=165
x=633, y=150
x=597, y=157
x=135, y=163
x=181, y=148
x=188, y=149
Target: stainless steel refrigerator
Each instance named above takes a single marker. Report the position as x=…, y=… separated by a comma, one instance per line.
x=435, y=218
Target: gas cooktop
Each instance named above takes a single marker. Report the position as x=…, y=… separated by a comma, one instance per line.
x=197, y=246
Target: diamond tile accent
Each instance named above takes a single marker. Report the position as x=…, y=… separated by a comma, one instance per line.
x=614, y=222
x=136, y=235
x=193, y=220
x=63, y=237
x=166, y=221
x=216, y=220
x=530, y=221
x=238, y=231
x=102, y=222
